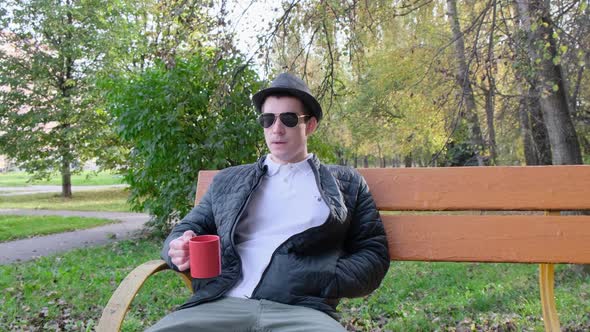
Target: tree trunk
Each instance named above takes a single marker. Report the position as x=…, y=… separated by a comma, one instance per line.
x=66, y=180
x=366, y=161
x=491, y=92
x=490, y=123
x=537, y=150
x=408, y=160
x=395, y=161
x=540, y=136
x=585, y=145
x=530, y=156
x=341, y=159
x=463, y=80
x=542, y=49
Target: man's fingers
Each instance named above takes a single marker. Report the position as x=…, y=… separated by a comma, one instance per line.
x=180, y=243
x=183, y=267
x=179, y=260
x=188, y=235
x=178, y=252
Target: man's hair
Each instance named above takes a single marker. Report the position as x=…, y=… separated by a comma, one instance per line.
x=280, y=94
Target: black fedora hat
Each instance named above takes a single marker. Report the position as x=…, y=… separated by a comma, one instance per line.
x=287, y=83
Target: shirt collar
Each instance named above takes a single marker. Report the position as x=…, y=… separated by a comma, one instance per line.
x=274, y=168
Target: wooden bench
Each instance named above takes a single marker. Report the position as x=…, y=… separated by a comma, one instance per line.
x=546, y=237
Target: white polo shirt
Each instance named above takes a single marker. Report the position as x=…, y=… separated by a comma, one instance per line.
x=286, y=203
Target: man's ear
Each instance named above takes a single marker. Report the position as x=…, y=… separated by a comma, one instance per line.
x=311, y=125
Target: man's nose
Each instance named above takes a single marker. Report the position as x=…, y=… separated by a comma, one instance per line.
x=278, y=126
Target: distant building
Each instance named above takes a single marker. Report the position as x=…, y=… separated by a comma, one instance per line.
x=3, y=164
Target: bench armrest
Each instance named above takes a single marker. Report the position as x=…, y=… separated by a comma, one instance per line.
x=116, y=309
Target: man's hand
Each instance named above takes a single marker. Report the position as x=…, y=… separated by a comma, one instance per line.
x=178, y=251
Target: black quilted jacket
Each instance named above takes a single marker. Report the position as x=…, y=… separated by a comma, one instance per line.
x=347, y=256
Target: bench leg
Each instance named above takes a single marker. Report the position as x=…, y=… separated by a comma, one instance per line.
x=116, y=309
x=546, y=282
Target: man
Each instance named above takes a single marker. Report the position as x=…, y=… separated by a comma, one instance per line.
x=296, y=235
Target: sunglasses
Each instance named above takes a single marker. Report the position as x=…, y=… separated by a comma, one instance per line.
x=289, y=119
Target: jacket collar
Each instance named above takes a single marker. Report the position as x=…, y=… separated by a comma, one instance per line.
x=326, y=182
x=314, y=161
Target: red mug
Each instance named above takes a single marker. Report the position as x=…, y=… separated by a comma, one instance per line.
x=204, y=256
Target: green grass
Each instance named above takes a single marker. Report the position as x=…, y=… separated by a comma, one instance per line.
x=114, y=199
x=69, y=291
x=468, y=296
x=86, y=178
x=19, y=227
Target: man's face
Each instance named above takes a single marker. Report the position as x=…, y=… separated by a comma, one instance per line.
x=287, y=145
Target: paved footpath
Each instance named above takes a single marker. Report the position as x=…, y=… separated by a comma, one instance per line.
x=28, y=249
x=28, y=190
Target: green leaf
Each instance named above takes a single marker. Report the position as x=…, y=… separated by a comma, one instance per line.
x=563, y=49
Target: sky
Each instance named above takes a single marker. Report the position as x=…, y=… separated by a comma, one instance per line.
x=249, y=18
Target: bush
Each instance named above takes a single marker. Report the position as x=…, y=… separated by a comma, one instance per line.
x=177, y=121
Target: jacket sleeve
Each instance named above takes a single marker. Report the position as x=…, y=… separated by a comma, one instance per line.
x=366, y=261
x=200, y=220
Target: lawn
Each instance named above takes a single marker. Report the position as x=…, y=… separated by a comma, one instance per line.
x=69, y=291
x=19, y=227
x=468, y=297
x=86, y=178
x=114, y=199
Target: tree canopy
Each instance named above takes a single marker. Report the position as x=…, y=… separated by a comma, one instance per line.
x=488, y=85
x=48, y=119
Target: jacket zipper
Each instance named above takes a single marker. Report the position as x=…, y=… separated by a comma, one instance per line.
x=321, y=190
x=233, y=230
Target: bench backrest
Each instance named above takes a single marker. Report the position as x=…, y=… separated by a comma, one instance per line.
x=480, y=214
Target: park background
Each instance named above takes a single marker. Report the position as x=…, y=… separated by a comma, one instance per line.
x=151, y=92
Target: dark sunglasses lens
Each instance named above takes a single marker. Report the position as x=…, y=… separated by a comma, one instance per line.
x=266, y=120
x=289, y=119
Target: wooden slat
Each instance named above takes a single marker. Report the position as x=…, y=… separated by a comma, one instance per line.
x=518, y=239
x=471, y=188
x=481, y=188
